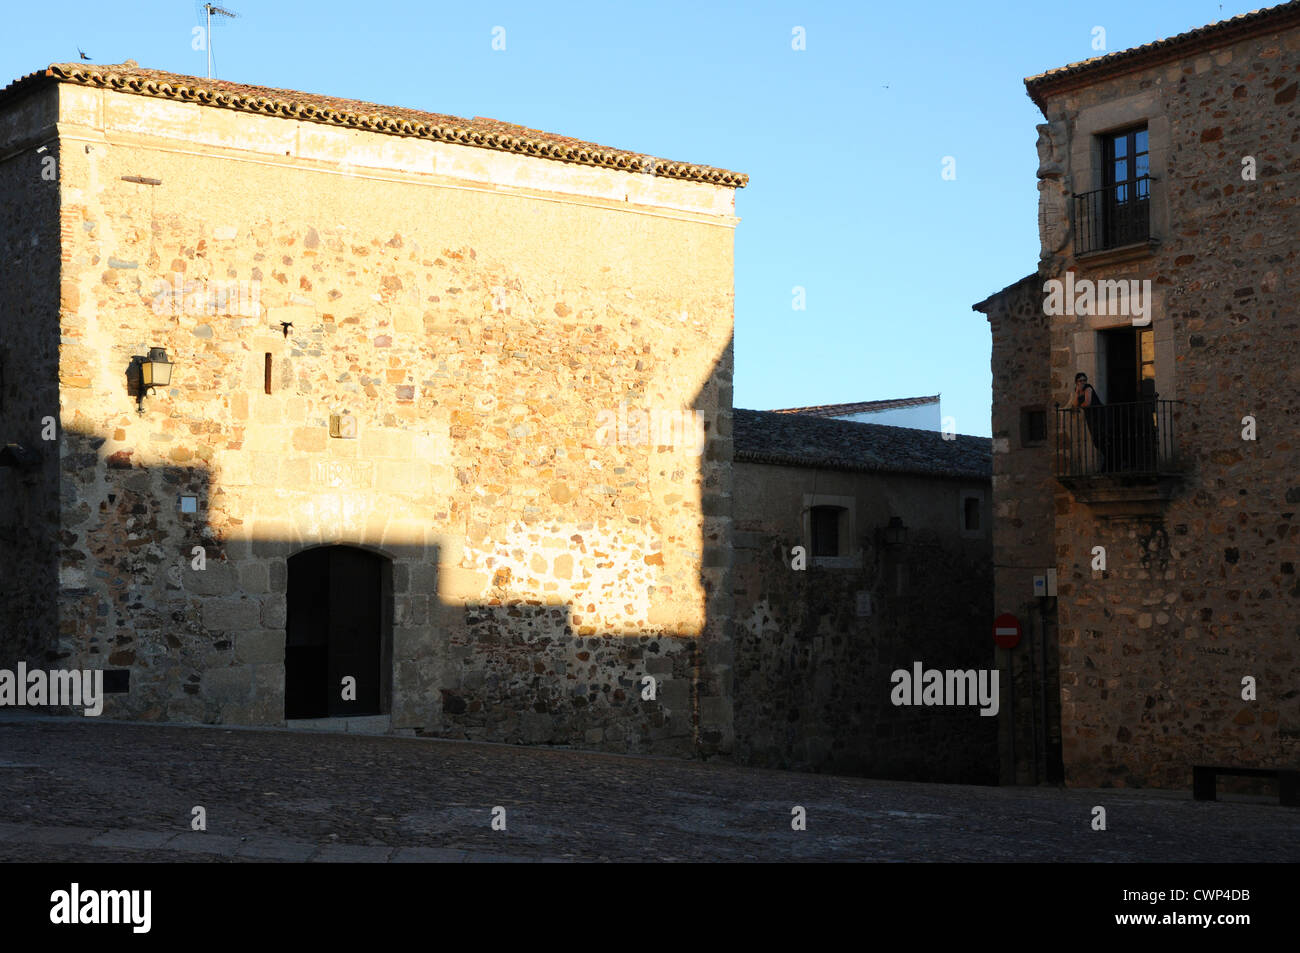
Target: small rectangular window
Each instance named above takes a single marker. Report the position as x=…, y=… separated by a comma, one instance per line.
x=826, y=530
x=970, y=513
x=266, y=383
x=1033, y=426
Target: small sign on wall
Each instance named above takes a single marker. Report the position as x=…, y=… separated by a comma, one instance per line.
x=864, y=605
x=343, y=426
x=1006, y=631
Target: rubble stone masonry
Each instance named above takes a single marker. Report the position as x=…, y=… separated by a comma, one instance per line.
x=816, y=649
x=1199, y=591
x=29, y=367
x=472, y=312
x=1024, y=501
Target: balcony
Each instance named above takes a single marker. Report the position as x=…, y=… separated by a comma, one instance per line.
x=1114, y=217
x=1121, y=458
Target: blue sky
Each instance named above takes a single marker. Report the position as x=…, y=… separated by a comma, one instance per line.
x=844, y=141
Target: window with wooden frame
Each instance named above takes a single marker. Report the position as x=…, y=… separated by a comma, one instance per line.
x=1126, y=178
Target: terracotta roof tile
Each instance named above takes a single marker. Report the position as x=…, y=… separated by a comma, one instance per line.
x=480, y=132
x=1148, y=54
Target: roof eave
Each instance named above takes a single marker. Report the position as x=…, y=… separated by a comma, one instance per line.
x=1123, y=62
x=986, y=305
x=855, y=466
x=583, y=154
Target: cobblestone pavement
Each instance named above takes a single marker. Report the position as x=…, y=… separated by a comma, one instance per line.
x=77, y=790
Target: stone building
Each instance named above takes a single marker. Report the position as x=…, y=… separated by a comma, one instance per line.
x=895, y=570
x=1169, y=269
x=456, y=382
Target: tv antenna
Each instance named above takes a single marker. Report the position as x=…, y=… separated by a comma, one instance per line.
x=209, y=9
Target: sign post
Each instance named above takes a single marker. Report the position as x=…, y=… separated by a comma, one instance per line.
x=1006, y=635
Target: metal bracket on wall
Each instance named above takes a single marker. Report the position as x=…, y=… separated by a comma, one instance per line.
x=16, y=455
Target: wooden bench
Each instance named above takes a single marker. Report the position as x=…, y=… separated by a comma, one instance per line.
x=1205, y=780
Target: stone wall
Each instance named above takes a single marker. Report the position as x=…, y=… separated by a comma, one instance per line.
x=29, y=358
x=475, y=314
x=813, y=672
x=1203, y=593
x=1024, y=503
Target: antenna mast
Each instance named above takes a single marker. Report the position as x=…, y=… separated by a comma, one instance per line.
x=209, y=9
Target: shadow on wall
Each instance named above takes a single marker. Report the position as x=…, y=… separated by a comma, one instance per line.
x=29, y=544
x=816, y=693
x=818, y=645
x=29, y=393
x=208, y=625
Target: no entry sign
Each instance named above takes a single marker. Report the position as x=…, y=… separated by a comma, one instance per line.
x=1006, y=631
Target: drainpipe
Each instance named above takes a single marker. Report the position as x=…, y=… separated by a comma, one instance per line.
x=1036, y=689
x=1011, y=735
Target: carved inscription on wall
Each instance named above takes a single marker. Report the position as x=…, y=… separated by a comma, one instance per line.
x=344, y=474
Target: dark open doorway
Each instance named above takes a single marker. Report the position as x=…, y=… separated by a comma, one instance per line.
x=1128, y=420
x=339, y=626
x=1130, y=365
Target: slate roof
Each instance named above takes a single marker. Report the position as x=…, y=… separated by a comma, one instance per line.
x=480, y=132
x=866, y=406
x=794, y=440
x=1215, y=34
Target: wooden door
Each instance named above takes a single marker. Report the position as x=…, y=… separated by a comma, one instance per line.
x=334, y=630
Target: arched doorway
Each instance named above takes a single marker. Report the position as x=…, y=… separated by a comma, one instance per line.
x=339, y=626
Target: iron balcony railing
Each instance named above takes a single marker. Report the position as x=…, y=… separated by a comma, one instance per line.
x=1135, y=438
x=1114, y=216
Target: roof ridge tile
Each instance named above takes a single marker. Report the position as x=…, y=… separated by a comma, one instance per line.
x=394, y=120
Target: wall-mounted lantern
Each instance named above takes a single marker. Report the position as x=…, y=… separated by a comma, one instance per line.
x=16, y=455
x=154, y=371
x=895, y=534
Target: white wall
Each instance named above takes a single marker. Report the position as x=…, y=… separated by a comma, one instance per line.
x=924, y=417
